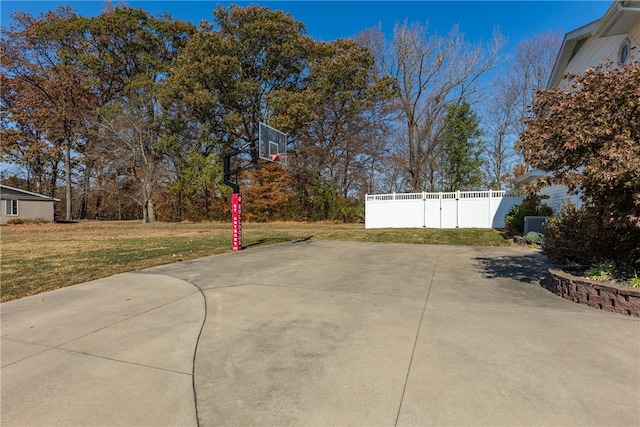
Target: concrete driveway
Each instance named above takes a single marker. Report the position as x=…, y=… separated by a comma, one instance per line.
x=317, y=333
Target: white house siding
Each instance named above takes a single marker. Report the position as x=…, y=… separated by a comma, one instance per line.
x=557, y=195
x=634, y=38
x=595, y=50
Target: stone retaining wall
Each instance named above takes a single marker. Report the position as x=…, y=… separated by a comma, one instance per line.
x=609, y=296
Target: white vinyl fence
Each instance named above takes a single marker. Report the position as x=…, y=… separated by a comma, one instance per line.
x=462, y=209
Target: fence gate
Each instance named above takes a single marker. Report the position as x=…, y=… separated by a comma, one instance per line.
x=460, y=209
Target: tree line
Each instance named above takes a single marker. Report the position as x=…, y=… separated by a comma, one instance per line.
x=126, y=115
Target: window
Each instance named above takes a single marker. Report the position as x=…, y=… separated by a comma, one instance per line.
x=12, y=208
x=624, y=52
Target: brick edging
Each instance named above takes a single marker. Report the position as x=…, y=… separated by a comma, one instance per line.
x=608, y=297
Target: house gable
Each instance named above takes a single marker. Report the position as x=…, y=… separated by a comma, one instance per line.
x=599, y=41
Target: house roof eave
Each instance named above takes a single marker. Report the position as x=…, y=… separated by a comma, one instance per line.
x=564, y=55
x=620, y=18
x=530, y=177
x=29, y=193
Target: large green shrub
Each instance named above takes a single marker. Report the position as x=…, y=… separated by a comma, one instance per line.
x=583, y=237
x=531, y=206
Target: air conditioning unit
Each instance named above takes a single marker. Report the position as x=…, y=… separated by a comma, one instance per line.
x=535, y=223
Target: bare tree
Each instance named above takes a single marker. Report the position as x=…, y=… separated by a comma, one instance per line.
x=432, y=72
x=131, y=134
x=500, y=126
x=532, y=68
x=505, y=111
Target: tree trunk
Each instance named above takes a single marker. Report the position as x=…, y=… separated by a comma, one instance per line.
x=52, y=182
x=99, y=205
x=119, y=206
x=67, y=175
x=148, y=211
x=178, y=211
x=145, y=213
x=85, y=193
x=151, y=211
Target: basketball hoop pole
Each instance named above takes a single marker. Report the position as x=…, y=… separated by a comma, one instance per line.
x=236, y=199
x=226, y=165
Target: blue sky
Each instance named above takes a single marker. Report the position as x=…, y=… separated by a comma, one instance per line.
x=328, y=20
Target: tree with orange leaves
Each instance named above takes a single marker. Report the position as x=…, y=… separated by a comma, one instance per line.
x=45, y=99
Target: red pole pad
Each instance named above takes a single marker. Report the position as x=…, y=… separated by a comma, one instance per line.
x=236, y=218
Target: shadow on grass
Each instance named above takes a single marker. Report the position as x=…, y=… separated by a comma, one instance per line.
x=530, y=268
x=272, y=240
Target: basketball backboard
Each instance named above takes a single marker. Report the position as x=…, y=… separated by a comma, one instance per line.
x=272, y=144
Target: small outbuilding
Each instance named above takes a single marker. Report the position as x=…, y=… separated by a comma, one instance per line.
x=22, y=204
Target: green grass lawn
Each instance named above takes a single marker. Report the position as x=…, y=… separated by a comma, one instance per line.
x=41, y=257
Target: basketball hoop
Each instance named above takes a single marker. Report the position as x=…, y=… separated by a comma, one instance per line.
x=279, y=158
x=272, y=144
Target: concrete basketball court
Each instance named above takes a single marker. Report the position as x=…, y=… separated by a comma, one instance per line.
x=316, y=333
